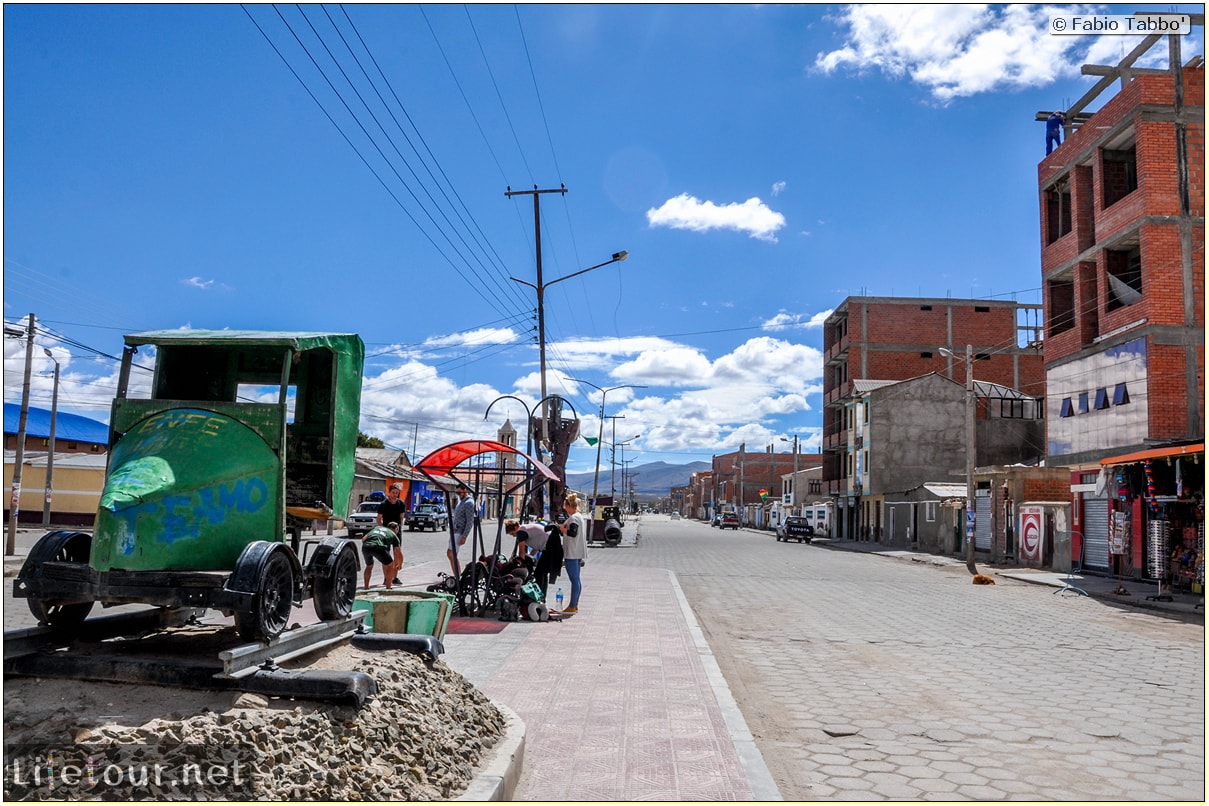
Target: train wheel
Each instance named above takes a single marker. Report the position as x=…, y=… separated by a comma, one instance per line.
x=58, y=546
x=335, y=592
x=271, y=603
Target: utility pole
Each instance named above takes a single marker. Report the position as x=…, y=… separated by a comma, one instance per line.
x=10, y=545
x=971, y=448
x=742, y=484
x=971, y=532
x=50, y=455
x=600, y=433
x=540, y=288
x=613, y=457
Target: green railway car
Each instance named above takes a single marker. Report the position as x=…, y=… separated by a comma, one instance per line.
x=239, y=440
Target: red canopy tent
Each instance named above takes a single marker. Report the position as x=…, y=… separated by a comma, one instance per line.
x=442, y=461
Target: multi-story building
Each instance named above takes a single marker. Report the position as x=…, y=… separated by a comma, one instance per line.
x=1123, y=266
x=872, y=341
x=739, y=478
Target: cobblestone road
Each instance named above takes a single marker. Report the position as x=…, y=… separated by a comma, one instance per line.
x=864, y=677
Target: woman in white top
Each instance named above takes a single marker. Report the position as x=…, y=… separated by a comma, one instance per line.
x=575, y=547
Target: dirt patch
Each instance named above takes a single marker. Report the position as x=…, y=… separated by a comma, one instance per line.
x=418, y=738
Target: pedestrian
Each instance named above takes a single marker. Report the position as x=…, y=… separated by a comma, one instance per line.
x=542, y=549
x=461, y=525
x=381, y=543
x=394, y=510
x=1053, y=131
x=575, y=548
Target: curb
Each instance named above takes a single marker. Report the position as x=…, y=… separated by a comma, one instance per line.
x=498, y=775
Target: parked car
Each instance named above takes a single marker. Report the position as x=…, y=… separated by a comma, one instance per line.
x=675, y=516
x=730, y=520
x=363, y=519
x=427, y=516
x=795, y=527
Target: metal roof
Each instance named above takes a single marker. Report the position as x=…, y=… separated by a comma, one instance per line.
x=69, y=427
x=944, y=489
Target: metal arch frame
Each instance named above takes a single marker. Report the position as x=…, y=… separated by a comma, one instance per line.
x=485, y=446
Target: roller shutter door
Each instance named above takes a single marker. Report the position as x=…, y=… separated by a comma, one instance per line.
x=1095, y=533
x=982, y=522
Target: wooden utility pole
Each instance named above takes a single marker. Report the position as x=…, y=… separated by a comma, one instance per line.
x=10, y=545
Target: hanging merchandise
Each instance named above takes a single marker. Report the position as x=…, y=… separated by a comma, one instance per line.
x=1154, y=505
x=1156, y=555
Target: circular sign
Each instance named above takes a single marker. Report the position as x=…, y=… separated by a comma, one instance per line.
x=1030, y=540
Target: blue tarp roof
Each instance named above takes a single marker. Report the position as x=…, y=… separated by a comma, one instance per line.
x=71, y=427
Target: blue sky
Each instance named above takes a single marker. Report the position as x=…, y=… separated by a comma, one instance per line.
x=191, y=166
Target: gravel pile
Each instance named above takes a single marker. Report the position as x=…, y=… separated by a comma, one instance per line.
x=419, y=738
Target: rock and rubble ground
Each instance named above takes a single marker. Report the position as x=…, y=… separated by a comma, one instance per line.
x=418, y=738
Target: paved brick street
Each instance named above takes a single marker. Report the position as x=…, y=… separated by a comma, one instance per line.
x=866, y=677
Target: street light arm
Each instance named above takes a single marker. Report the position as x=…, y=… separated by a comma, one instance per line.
x=617, y=258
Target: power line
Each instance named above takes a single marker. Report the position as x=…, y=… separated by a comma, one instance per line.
x=355, y=149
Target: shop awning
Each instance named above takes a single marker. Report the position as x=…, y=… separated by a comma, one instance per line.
x=1154, y=453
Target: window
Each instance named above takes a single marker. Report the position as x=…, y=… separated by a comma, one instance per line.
x=1068, y=409
x=982, y=356
x=1057, y=210
x=930, y=511
x=1083, y=403
x=925, y=355
x=925, y=307
x=1120, y=174
x=1124, y=271
x=1120, y=395
x=982, y=309
x=1061, y=306
x=1101, y=399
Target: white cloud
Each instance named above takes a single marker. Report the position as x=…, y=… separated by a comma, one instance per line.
x=777, y=187
x=785, y=319
x=475, y=338
x=962, y=50
x=205, y=285
x=688, y=212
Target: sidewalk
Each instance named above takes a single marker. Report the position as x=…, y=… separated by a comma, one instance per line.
x=623, y=701
x=1140, y=593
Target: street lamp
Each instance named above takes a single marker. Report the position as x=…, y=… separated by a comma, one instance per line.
x=600, y=433
x=613, y=472
x=540, y=288
x=970, y=511
x=50, y=454
x=793, y=487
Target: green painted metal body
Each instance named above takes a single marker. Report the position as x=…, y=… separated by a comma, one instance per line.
x=240, y=429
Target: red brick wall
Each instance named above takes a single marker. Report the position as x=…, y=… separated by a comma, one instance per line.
x=1167, y=387
x=1045, y=490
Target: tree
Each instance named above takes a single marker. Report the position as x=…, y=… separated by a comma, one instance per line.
x=366, y=441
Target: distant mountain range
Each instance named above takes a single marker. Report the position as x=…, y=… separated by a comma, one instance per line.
x=656, y=478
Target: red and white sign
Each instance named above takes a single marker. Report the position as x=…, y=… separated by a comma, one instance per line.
x=1032, y=533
